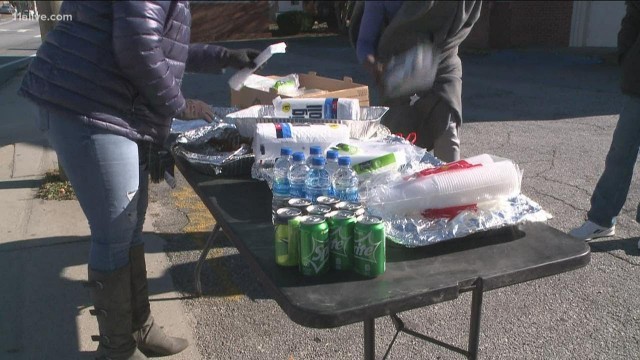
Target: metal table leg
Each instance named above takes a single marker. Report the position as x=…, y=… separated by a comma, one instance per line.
x=370, y=339
x=474, y=326
x=203, y=256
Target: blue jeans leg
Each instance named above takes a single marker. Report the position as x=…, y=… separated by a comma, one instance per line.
x=611, y=191
x=105, y=172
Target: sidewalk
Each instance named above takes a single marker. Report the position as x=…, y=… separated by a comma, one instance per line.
x=44, y=309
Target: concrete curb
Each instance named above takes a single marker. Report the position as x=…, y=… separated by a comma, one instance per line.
x=8, y=70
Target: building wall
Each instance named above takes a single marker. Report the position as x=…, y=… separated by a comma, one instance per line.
x=530, y=23
x=229, y=20
x=596, y=23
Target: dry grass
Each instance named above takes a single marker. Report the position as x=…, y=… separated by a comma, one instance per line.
x=55, y=188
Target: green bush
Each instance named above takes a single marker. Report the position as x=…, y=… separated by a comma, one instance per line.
x=294, y=22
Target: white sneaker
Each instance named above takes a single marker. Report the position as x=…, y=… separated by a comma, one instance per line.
x=590, y=230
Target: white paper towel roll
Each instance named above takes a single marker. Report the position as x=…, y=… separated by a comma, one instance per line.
x=270, y=138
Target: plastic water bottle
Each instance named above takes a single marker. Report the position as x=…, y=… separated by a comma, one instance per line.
x=332, y=167
x=297, y=175
x=345, y=180
x=281, y=174
x=318, y=182
x=314, y=151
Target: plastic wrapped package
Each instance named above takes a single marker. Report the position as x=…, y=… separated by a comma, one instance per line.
x=464, y=182
x=419, y=226
x=317, y=108
x=415, y=230
x=286, y=85
x=270, y=138
x=367, y=126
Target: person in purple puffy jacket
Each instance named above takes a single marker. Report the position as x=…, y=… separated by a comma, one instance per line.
x=107, y=85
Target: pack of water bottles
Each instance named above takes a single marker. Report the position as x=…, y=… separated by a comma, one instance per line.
x=311, y=176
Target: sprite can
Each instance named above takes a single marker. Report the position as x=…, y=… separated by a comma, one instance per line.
x=314, y=245
x=321, y=210
x=355, y=207
x=328, y=200
x=299, y=203
x=286, y=249
x=341, y=224
x=369, y=252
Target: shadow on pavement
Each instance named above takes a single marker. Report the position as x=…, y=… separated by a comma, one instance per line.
x=41, y=289
x=629, y=246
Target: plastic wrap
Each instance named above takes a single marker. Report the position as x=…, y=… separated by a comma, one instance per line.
x=415, y=230
x=270, y=138
x=317, y=108
x=465, y=182
x=366, y=127
x=420, y=228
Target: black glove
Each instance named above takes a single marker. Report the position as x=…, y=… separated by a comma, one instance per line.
x=241, y=58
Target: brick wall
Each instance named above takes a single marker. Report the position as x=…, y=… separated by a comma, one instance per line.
x=530, y=23
x=215, y=21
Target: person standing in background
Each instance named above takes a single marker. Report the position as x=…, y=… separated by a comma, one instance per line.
x=612, y=188
x=434, y=114
x=107, y=84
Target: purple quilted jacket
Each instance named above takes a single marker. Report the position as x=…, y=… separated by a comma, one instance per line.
x=119, y=65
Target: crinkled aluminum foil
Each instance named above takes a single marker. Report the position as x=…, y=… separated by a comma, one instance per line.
x=415, y=231
x=193, y=146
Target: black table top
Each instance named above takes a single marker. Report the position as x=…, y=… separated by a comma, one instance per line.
x=414, y=277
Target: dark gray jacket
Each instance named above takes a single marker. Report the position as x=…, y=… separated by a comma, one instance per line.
x=629, y=49
x=445, y=24
x=119, y=65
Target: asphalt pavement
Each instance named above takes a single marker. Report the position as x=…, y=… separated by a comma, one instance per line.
x=552, y=112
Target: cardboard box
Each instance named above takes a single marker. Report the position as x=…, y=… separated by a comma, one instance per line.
x=345, y=88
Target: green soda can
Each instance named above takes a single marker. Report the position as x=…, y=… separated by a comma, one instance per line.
x=284, y=254
x=328, y=200
x=369, y=250
x=299, y=203
x=355, y=207
x=341, y=225
x=321, y=210
x=294, y=240
x=314, y=245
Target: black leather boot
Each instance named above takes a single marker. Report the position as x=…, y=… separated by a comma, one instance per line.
x=111, y=294
x=150, y=336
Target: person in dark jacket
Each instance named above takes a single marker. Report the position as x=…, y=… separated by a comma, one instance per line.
x=435, y=114
x=107, y=84
x=611, y=191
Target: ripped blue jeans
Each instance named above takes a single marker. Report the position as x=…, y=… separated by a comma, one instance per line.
x=110, y=181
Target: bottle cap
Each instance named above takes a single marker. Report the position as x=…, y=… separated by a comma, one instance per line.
x=317, y=161
x=315, y=150
x=298, y=156
x=285, y=151
x=344, y=160
x=332, y=154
